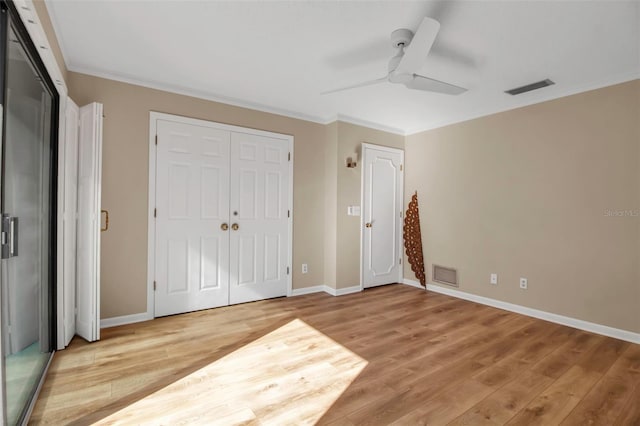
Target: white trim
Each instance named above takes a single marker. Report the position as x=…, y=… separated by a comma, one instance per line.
x=369, y=124
x=307, y=290
x=154, y=117
x=364, y=147
x=538, y=98
x=125, y=319
x=412, y=283
x=342, y=291
x=604, y=330
x=195, y=93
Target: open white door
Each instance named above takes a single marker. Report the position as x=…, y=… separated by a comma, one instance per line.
x=382, y=215
x=88, y=232
x=69, y=216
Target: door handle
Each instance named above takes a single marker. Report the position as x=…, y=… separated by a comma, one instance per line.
x=106, y=221
x=13, y=230
x=368, y=225
x=235, y=226
x=9, y=236
x=224, y=226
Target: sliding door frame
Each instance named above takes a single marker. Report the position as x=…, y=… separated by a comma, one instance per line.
x=12, y=19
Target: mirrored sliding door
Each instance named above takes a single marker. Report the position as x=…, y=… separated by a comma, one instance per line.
x=26, y=236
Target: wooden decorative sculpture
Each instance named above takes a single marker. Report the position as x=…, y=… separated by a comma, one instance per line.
x=413, y=239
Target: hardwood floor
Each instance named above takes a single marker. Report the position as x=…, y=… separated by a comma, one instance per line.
x=390, y=355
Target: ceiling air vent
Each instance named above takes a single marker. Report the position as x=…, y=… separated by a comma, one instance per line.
x=530, y=87
x=443, y=275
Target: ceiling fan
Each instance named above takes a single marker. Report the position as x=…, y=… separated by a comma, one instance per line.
x=412, y=52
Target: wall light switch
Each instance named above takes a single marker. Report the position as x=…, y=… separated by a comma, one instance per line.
x=353, y=210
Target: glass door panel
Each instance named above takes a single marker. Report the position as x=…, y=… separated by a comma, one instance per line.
x=26, y=228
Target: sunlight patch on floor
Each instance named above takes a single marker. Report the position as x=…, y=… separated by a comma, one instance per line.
x=290, y=376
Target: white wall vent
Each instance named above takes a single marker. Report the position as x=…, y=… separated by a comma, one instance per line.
x=444, y=275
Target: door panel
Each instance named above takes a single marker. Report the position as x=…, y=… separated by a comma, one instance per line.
x=72, y=116
x=259, y=182
x=382, y=203
x=192, y=198
x=88, y=231
x=206, y=178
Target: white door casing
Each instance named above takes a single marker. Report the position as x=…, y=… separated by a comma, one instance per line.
x=382, y=198
x=192, y=255
x=69, y=216
x=254, y=173
x=259, y=204
x=88, y=231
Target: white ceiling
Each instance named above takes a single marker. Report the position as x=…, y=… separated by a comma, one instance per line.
x=279, y=56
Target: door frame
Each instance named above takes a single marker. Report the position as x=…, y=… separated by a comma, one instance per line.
x=367, y=146
x=154, y=117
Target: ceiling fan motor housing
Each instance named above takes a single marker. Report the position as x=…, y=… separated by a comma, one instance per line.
x=401, y=37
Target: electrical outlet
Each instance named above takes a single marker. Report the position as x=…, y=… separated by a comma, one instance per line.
x=305, y=268
x=494, y=279
x=523, y=283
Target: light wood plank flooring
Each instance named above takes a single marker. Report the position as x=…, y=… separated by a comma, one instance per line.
x=390, y=355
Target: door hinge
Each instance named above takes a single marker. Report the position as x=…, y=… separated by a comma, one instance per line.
x=400, y=261
x=289, y=157
x=400, y=167
x=287, y=270
x=157, y=144
x=400, y=213
x=154, y=286
x=288, y=213
x=155, y=212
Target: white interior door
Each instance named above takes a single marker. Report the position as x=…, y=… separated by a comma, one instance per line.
x=259, y=210
x=382, y=215
x=192, y=217
x=69, y=215
x=88, y=230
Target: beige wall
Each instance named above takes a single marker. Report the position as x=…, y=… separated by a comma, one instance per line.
x=524, y=193
x=125, y=182
x=347, y=249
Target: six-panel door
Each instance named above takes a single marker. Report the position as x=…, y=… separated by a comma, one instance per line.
x=192, y=198
x=222, y=231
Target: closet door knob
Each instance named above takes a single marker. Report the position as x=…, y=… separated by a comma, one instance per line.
x=235, y=226
x=368, y=224
x=224, y=226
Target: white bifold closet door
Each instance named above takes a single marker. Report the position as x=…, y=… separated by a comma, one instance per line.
x=221, y=217
x=69, y=217
x=88, y=225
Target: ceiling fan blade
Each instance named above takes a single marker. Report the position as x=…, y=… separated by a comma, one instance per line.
x=424, y=83
x=353, y=86
x=417, y=51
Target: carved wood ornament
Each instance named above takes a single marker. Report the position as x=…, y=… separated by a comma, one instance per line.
x=413, y=239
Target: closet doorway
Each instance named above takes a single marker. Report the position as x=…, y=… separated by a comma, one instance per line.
x=220, y=214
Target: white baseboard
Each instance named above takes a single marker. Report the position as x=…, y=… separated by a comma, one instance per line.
x=604, y=330
x=307, y=290
x=343, y=291
x=330, y=290
x=125, y=319
x=413, y=283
